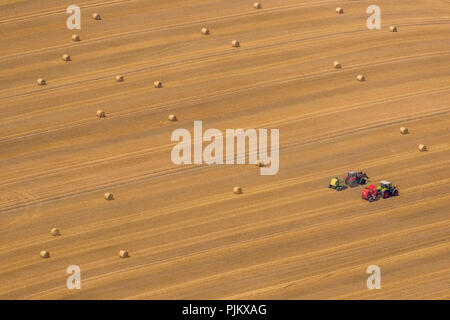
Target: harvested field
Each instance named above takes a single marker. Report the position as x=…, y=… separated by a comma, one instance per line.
x=189, y=236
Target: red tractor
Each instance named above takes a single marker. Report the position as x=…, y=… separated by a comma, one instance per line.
x=370, y=193
x=387, y=189
x=353, y=178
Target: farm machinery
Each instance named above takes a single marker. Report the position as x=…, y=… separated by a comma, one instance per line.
x=354, y=179
x=385, y=190
x=337, y=184
x=370, y=193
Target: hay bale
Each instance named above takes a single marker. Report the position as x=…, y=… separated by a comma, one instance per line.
x=361, y=77
x=257, y=5
x=157, y=84
x=55, y=232
x=41, y=82
x=403, y=130
x=75, y=37
x=66, y=57
x=339, y=10
x=101, y=114
x=172, y=117
x=235, y=44
x=422, y=148
x=259, y=163
x=120, y=78
x=108, y=196
x=123, y=254
x=337, y=65
x=45, y=254
x=96, y=16
x=393, y=28
x=205, y=31
x=237, y=190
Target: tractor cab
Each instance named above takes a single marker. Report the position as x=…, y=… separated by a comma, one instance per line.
x=351, y=174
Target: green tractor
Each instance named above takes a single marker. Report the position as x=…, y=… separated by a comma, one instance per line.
x=337, y=184
x=387, y=189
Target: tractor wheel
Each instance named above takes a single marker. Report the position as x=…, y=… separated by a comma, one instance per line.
x=395, y=193
x=386, y=195
x=371, y=199
x=363, y=181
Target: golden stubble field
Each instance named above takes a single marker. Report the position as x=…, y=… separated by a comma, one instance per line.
x=188, y=236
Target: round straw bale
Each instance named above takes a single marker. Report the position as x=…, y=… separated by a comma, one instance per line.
x=123, y=254
x=66, y=57
x=120, y=78
x=45, y=254
x=339, y=10
x=257, y=5
x=205, y=31
x=422, y=148
x=403, y=130
x=259, y=163
x=41, y=82
x=172, y=117
x=237, y=190
x=96, y=16
x=157, y=84
x=75, y=37
x=55, y=232
x=337, y=65
x=235, y=43
x=108, y=196
x=361, y=77
x=393, y=28
x=101, y=114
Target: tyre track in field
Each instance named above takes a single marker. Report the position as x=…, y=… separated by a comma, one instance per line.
x=180, y=67
x=286, y=220
x=161, y=254
x=166, y=27
x=61, y=10
x=220, y=94
x=184, y=59
x=162, y=172
x=340, y=270
x=50, y=195
x=250, y=268
x=143, y=216
x=177, y=65
x=210, y=200
x=15, y=178
x=254, y=241
x=390, y=287
x=345, y=269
